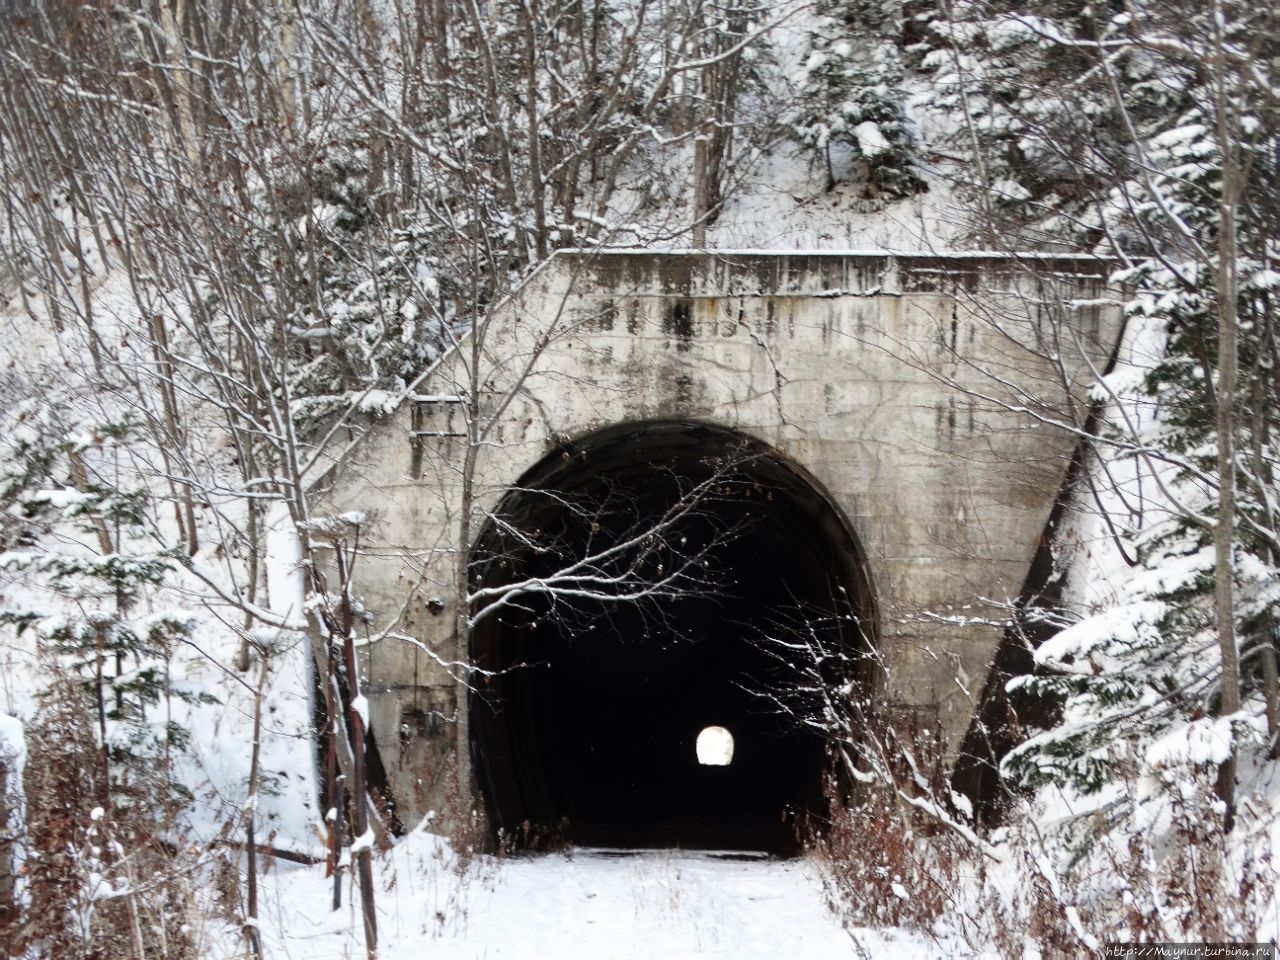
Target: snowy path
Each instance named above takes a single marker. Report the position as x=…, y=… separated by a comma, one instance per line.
x=594, y=905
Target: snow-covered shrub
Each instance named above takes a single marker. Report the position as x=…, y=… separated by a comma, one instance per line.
x=31, y=440
x=1040, y=141
x=1151, y=864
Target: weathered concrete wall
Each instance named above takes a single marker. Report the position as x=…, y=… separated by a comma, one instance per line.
x=921, y=392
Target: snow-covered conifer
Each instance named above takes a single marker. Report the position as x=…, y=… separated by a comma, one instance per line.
x=852, y=104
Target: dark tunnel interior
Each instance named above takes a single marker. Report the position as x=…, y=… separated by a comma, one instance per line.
x=584, y=726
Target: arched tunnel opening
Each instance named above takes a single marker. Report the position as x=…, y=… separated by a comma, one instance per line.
x=653, y=596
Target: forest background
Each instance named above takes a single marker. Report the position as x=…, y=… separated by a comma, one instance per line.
x=232, y=233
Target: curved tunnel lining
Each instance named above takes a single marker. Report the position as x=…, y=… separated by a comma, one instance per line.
x=586, y=730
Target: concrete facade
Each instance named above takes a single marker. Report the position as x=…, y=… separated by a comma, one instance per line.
x=923, y=393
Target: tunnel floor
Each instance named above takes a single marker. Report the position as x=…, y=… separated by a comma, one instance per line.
x=584, y=731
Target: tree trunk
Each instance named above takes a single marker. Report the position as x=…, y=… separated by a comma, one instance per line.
x=1224, y=530
x=529, y=13
x=184, y=508
x=176, y=52
x=7, y=876
x=252, y=934
x=359, y=779
x=700, y=192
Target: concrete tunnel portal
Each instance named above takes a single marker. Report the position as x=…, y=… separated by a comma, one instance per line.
x=675, y=719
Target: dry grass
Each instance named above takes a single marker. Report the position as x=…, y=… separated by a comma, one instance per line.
x=886, y=862
x=1152, y=865
x=103, y=879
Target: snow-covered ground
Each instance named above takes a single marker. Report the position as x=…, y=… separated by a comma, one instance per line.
x=589, y=904
x=783, y=206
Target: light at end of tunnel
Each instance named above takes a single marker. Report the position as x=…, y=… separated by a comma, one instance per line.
x=715, y=747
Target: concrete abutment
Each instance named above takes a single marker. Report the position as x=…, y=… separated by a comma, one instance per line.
x=931, y=400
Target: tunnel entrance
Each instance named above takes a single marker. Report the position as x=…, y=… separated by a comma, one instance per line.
x=645, y=585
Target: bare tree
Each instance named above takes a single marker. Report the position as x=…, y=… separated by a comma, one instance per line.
x=262, y=223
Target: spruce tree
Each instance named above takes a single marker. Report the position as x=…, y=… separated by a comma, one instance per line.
x=95, y=629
